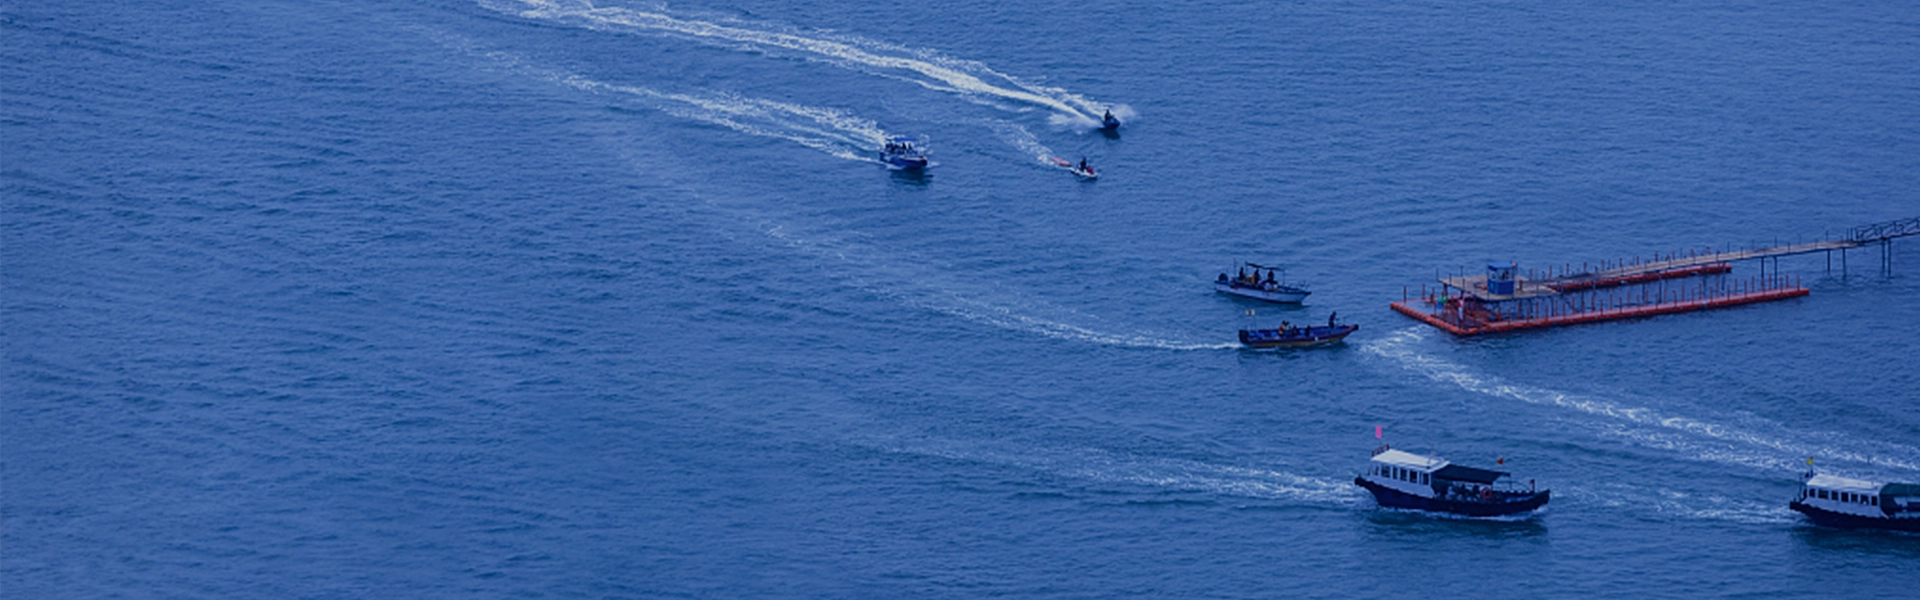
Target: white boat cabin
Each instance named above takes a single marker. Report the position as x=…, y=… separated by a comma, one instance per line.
x=1428, y=476
x=1404, y=471
x=1856, y=497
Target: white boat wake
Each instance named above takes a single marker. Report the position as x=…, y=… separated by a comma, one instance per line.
x=1166, y=474
x=922, y=67
x=932, y=289
x=1648, y=427
x=833, y=131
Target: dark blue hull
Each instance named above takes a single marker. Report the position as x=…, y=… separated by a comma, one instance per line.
x=1827, y=518
x=903, y=162
x=1500, y=507
x=1298, y=336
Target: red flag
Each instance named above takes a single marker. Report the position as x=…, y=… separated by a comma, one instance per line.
x=1377, y=432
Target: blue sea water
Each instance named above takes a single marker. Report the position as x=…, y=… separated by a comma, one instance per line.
x=549, y=298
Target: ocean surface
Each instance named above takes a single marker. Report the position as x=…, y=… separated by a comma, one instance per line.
x=558, y=299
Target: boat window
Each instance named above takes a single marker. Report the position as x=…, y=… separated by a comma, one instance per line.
x=1873, y=500
x=1822, y=493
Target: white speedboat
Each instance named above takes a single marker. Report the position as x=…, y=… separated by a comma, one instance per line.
x=1251, y=285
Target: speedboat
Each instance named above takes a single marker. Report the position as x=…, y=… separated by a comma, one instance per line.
x=1834, y=501
x=1288, y=336
x=903, y=152
x=1252, y=286
x=1405, y=480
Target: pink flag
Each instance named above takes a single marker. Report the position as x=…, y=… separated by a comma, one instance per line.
x=1377, y=433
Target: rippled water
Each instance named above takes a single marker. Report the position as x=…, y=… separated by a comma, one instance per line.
x=550, y=298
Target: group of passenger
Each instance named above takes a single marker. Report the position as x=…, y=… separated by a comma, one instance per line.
x=1245, y=279
x=1462, y=491
x=900, y=147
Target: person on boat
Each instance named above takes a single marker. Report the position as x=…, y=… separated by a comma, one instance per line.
x=1286, y=328
x=1330, y=317
x=1083, y=165
x=1108, y=119
x=1269, y=276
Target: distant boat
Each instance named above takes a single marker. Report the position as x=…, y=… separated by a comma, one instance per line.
x=902, y=152
x=1109, y=123
x=1252, y=286
x=1077, y=170
x=1406, y=480
x=1852, y=503
x=1295, y=336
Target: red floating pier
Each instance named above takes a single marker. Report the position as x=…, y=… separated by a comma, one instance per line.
x=1503, y=299
x=1506, y=299
x=1462, y=321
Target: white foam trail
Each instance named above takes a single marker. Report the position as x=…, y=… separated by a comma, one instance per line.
x=1400, y=347
x=951, y=75
x=828, y=130
x=1025, y=141
x=1683, y=504
x=930, y=289
x=832, y=131
x=1164, y=473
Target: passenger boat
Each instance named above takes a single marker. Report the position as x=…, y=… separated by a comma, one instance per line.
x=1287, y=335
x=1406, y=480
x=902, y=152
x=1834, y=501
x=1252, y=286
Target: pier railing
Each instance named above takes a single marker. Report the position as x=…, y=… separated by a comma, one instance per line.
x=1884, y=231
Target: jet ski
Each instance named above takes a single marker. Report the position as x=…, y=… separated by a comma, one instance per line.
x=1109, y=123
x=1084, y=173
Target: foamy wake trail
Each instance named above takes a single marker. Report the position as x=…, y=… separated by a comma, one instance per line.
x=1024, y=141
x=929, y=288
x=1104, y=467
x=1680, y=503
x=823, y=129
x=923, y=67
x=828, y=130
x=1648, y=427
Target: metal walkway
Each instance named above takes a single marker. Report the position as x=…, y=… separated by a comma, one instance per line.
x=1476, y=285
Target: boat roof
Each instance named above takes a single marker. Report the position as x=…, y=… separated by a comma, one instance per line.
x=904, y=138
x=1901, y=489
x=1439, y=467
x=1835, y=482
x=1409, y=460
x=1468, y=474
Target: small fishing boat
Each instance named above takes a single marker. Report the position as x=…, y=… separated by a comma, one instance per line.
x=903, y=152
x=1289, y=336
x=1834, y=501
x=1400, y=479
x=1252, y=286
